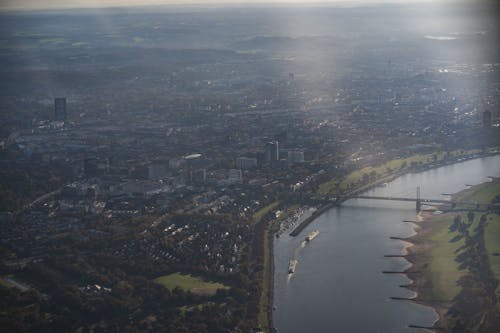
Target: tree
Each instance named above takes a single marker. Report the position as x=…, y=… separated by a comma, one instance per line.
x=457, y=223
x=470, y=216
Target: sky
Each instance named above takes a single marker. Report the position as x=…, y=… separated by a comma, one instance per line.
x=54, y=4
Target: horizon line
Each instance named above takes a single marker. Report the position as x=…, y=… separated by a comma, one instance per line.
x=110, y=4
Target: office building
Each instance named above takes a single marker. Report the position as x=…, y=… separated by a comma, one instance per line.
x=60, y=108
x=246, y=163
x=271, y=153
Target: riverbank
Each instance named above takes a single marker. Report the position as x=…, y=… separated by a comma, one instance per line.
x=415, y=250
x=452, y=248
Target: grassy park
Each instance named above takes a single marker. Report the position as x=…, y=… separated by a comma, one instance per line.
x=263, y=317
x=443, y=270
x=486, y=192
x=492, y=243
x=190, y=283
x=462, y=246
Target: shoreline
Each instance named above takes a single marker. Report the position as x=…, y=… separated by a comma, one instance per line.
x=415, y=249
x=423, y=257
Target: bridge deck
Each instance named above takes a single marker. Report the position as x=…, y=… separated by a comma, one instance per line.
x=423, y=200
x=398, y=198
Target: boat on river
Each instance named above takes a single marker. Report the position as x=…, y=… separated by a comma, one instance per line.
x=312, y=235
x=291, y=266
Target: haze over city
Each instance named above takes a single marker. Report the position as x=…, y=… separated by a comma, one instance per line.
x=54, y=4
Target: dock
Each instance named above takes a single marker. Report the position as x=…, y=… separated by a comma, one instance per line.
x=402, y=298
x=426, y=327
x=311, y=218
x=401, y=272
x=399, y=238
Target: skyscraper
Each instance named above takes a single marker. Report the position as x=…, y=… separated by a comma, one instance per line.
x=271, y=153
x=487, y=119
x=60, y=108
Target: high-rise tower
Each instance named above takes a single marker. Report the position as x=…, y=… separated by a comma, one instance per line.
x=60, y=108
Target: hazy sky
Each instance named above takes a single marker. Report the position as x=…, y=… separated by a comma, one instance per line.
x=51, y=4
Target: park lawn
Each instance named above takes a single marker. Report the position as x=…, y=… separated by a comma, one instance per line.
x=443, y=270
x=190, y=283
x=492, y=244
x=258, y=215
x=485, y=192
x=461, y=152
x=354, y=177
x=327, y=187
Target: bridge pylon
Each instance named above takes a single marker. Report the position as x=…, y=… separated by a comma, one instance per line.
x=418, y=201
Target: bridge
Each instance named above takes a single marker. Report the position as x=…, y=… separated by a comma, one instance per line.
x=336, y=201
x=418, y=200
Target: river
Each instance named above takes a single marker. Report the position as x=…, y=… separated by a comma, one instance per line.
x=338, y=285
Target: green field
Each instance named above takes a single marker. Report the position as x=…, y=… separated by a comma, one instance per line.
x=485, y=193
x=263, y=318
x=190, y=283
x=328, y=187
x=443, y=271
x=492, y=243
x=480, y=193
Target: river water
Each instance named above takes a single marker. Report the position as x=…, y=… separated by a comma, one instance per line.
x=338, y=285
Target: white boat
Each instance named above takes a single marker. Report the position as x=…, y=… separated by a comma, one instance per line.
x=312, y=235
x=291, y=266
